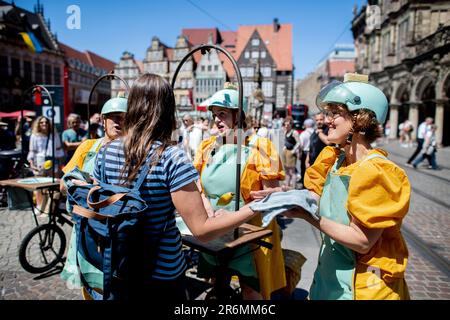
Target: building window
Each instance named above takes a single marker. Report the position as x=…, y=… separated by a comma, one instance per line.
x=250, y=72
x=3, y=67
x=48, y=74
x=15, y=67
x=267, y=88
x=209, y=68
x=57, y=75
x=266, y=71
x=263, y=54
x=27, y=71
x=202, y=68
x=255, y=54
x=249, y=87
x=255, y=42
x=38, y=73
x=247, y=54
x=216, y=68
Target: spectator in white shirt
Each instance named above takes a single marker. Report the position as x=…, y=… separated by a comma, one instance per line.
x=421, y=133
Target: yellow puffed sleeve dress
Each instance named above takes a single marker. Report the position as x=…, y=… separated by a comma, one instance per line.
x=378, y=196
x=263, y=163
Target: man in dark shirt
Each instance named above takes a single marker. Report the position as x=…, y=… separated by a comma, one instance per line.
x=319, y=138
x=7, y=138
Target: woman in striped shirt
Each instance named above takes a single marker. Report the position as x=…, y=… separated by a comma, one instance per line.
x=170, y=185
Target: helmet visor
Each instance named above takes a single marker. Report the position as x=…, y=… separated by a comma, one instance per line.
x=336, y=92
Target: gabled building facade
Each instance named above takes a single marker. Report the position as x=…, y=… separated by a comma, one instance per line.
x=158, y=58
x=128, y=69
x=264, y=56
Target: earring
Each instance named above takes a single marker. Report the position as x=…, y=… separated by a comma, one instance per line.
x=349, y=138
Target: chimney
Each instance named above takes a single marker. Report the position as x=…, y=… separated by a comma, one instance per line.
x=276, y=25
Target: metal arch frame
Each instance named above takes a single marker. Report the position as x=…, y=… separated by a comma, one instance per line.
x=33, y=89
x=204, y=48
x=108, y=76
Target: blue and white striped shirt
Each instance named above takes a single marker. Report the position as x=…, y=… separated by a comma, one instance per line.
x=172, y=172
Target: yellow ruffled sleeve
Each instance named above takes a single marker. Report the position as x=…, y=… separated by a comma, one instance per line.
x=80, y=154
x=202, y=153
x=267, y=161
x=379, y=194
x=316, y=175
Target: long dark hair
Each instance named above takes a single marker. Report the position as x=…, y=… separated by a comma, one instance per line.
x=150, y=118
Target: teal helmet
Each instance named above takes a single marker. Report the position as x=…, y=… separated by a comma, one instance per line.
x=226, y=98
x=118, y=104
x=355, y=95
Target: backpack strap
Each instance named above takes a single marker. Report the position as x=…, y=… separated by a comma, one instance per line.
x=103, y=203
x=144, y=172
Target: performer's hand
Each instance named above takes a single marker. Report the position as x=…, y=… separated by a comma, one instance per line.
x=79, y=182
x=297, y=212
x=261, y=194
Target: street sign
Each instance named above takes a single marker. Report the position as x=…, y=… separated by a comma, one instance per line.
x=47, y=111
x=57, y=93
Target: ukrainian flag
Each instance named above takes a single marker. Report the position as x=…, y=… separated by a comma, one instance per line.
x=31, y=42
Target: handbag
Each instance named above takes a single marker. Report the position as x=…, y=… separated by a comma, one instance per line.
x=430, y=150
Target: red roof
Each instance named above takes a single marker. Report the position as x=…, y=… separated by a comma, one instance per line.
x=278, y=43
x=169, y=53
x=200, y=36
x=140, y=65
x=229, y=39
x=74, y=54
x=88, y=57
x=337, y=68
x=100, y=62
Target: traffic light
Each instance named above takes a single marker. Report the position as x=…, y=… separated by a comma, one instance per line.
x=37, y=93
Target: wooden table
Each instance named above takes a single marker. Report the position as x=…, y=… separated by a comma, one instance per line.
x=29, y=186
x=247, y=234
x=52, y=186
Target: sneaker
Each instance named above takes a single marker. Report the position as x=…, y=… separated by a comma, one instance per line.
x=414, y=166
x=409, y=165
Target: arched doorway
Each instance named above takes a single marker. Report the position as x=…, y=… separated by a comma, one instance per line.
x=403, y=109
x=446, y=126
x=428, y=106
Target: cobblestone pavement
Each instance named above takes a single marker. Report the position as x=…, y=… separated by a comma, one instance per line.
x=427, y=226
x=426, y=230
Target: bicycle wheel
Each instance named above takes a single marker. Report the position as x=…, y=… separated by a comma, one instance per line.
x=42, y=248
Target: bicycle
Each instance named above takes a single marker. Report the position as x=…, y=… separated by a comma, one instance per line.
x=44, y=246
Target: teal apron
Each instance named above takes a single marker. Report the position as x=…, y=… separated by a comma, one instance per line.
x=333, y=278
x=70, y=274
x=219, y=177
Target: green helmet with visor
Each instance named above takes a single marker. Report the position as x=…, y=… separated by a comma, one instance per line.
x=118, y=104
x=226, y=98
x=355, y=95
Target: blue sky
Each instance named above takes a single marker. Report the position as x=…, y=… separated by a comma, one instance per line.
x=110, y=27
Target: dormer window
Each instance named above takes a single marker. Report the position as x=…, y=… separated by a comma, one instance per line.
x=255, y=42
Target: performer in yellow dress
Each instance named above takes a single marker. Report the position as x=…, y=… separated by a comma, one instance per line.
x=262, y=272
x=113, y=115
x=363, y=200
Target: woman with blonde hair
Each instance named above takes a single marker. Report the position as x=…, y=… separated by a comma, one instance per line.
x=41, y=149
